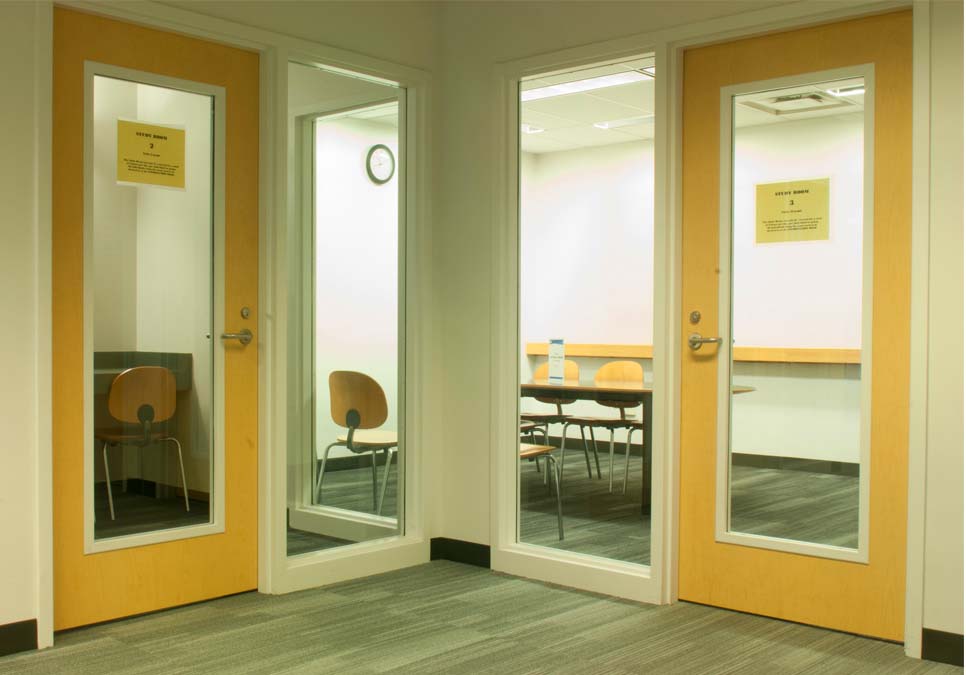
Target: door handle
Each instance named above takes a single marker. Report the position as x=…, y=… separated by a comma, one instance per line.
x=244, y=336
x=695, y=341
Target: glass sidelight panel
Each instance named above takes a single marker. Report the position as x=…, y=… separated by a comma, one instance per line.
x=150, y=267
x=586, y=310
x=345, y=451
x=800, y=252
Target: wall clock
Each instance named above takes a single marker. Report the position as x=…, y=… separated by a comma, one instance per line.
x=380, y=164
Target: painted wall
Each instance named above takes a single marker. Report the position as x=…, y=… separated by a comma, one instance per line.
x=943, y=593
x=22, y=568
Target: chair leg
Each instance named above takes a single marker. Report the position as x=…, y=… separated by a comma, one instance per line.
x=107, y=475
x=552, y=466
x=593, y=446
x=318, y=481
x=563, y=450
x=583, y=437
x=627, y=460
x=184, y=481
x=375, y=498
x=385, y=481
x=610, y=478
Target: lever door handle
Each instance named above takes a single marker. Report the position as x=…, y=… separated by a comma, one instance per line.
x=695, y=341
x=244, y=336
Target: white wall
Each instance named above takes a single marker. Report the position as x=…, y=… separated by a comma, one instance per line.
x=943, y=592
x=356, y=266
x=23, y=360
x=115, y=223
x=804, y=293
x=587, y=245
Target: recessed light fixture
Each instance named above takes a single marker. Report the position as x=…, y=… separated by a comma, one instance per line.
x=648, y=70
x=579, y=86
x=626, y=122
x=530, y=129
x=847, y=91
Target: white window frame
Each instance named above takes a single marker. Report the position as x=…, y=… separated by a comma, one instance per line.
x=643, y=583
x=216, y=523
x=304, y=513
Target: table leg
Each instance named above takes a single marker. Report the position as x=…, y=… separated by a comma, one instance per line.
x=647, y=416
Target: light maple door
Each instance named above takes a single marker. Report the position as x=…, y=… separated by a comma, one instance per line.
x=155, y=257
x=796, y=253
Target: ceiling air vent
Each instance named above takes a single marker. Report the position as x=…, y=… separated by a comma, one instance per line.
x=804, y=102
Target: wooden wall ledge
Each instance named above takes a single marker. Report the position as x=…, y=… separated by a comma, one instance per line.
x=746, y=354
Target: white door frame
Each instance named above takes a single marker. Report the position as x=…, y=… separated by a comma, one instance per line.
x=668, y=47
x=276, y=574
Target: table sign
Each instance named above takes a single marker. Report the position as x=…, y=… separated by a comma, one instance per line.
x=555, y=358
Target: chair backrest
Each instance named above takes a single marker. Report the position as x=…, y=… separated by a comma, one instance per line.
x=620, y=371
x=356, y=400
x=571, y=372
x=143, y=395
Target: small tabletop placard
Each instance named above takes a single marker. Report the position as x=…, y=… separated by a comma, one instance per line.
x=555, y=358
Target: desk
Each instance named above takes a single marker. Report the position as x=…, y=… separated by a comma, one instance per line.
x=612, y=391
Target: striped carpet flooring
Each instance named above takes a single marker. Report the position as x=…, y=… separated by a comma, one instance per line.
x=444, y=617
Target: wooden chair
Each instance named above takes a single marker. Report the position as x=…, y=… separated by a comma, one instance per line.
x=544, y=420
x=615, y=372
x=143, y=396
x=358, y=403
x=535, y=452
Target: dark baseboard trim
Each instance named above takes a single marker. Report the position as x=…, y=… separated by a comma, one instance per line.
x=468, y=553
x=795, y=464
x=943, y=647
x=20, y=636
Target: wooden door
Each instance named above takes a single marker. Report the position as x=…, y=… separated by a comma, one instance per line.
x=97, y=585
x=859, y=596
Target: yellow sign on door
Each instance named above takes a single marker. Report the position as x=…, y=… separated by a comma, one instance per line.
x=791, y=211
x=150, y=154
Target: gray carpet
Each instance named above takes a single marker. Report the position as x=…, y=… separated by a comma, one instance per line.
x=444, y=617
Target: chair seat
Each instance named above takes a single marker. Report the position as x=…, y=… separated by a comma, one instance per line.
x=606, y=422
x=528, y=450
x=544, y=418
x=370, y=438
x=119, y=436
x=526, y=425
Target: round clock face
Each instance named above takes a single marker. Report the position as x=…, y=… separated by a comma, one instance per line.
x=380, y=164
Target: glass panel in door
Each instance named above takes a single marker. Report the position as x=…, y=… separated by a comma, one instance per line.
x=152, y=307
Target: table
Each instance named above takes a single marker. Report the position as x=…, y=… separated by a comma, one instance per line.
x=612, y=391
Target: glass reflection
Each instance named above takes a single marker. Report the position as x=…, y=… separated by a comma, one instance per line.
x=798, y=312
x=344, y=459
x=151, y=321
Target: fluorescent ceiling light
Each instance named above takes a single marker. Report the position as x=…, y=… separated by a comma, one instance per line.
x=847, y=91
x=583, y=85
x=530, y=129
x=649, y=70
x=626, y=122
